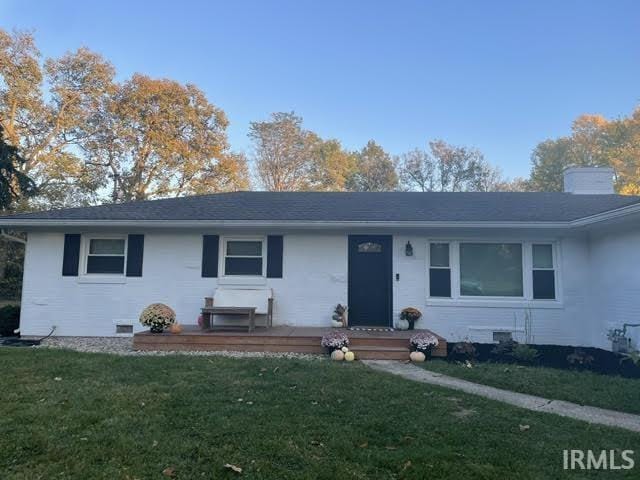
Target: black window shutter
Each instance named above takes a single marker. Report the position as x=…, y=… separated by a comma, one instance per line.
x=135, y=254
x=71, y=256
x=274, y=256
x=210, y=245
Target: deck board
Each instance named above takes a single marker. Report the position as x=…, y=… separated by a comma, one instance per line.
x=366, y=343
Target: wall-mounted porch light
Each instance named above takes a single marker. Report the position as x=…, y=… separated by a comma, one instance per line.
x=408, y=249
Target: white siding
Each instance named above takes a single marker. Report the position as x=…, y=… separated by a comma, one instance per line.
x=315, y=272
x=565, y=323
x=615, y=283
x=599, y=285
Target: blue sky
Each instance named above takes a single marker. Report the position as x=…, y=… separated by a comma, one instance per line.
x=497, y=75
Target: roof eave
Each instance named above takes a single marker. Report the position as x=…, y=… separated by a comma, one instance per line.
x=311, y=225
x=609, y=215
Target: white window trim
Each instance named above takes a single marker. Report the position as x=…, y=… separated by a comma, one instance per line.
x=242, y=279
x=86, y=241
x=524, y=301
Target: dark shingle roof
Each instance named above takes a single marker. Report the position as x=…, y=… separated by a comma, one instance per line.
x=345, y=206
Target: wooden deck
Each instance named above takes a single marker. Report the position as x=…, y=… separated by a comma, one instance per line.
x=366, y=344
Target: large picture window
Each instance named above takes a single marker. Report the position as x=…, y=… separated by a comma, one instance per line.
x=243, y=257
x=106, y=256
x=491, y=270
x=486, y=271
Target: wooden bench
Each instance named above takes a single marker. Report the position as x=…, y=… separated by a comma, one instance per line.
x=238, y=302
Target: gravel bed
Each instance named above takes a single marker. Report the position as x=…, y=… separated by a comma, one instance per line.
x=124, y=346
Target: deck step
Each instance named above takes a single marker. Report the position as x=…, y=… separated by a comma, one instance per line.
x=369, y=352
x=367, y=346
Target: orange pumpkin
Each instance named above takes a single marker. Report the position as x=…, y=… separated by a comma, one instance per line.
x=175, y=328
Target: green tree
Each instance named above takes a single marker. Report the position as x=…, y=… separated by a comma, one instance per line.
x=331, y=166
x=283, y=152
x=150, y=137
x=14, y=184
x=50, y=130
x=374, y=170
x=549, y=160
x=447, y=168
x=161, y=138
x=594, y=142
x=623, y=143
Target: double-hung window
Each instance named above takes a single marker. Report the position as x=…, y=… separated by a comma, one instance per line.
x=244, y=257
x=439, y=270
x=105, y=256
x=544, y=275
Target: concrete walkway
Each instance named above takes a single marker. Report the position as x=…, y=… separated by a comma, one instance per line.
x=594, y=415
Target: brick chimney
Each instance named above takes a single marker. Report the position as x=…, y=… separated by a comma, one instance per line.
x=588, y=180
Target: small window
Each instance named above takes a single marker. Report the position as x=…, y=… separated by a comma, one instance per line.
x=369, y=247
x=502, y=337
x=106, y=256
x=439, y=270
x=544, y=276
x=124, y=329
x=491, y=269
x=243, y=257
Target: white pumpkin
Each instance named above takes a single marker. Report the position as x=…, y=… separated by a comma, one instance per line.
x=349, y=356
x=402, y=324
x=417, y=356
x=337, y=355
x=344, y=349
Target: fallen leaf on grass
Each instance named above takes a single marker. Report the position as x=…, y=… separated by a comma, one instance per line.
x=232, y=467
x=524, y=428
x=169, y=472
x=364, y=445
x=155, y=443
x=317, y=443
x=57, y=379
x=406, y=465
x=391, y=447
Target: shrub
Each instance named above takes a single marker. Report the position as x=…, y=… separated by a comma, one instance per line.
x=462, y=351
x=633, y=357
x=580, y=358
x=9, y=320
x=524, y=353
x=504, y=348
x=157, y=316
x=334, y=341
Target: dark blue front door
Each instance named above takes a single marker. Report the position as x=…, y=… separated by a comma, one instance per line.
x=370, y=280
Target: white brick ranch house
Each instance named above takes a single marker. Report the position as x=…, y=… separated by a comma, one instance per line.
x=475, y=264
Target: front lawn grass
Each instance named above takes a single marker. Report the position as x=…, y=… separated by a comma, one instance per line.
x=581, y=387
x=79, y=416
